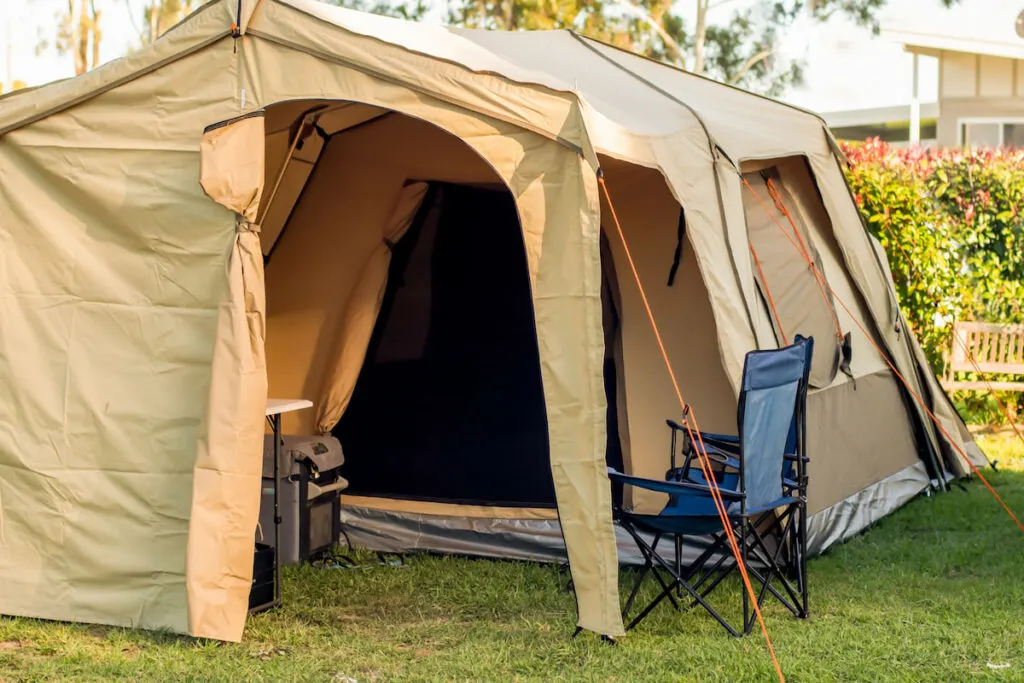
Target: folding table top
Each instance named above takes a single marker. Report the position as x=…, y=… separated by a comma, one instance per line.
x=276, y=406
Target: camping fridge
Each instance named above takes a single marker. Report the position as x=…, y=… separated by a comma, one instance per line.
x=309, y=496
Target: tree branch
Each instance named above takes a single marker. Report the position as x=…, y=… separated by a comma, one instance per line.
x=749, y=64
x=669, y=41
x=135, y=25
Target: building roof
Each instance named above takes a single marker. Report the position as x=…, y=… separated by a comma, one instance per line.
x=986, y=27
x=875, y=115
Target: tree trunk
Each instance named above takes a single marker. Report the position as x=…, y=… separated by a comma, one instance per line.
x=76, y=18
x=96, y=34
x=700, y=36
x=154, y=20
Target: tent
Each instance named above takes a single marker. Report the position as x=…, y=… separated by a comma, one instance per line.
x=285, y=194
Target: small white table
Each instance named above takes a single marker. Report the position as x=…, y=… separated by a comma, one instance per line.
x=276, y=407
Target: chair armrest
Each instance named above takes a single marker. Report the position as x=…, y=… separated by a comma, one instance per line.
x=793, y=457
x=732, y=449
x=670, y=487
x=725, y=438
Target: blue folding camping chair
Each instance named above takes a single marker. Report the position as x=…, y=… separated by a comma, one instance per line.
x=762, y=477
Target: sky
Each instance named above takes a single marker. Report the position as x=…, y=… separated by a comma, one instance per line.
x=846, y=68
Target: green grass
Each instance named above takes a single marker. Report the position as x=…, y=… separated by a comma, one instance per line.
x=932, y=593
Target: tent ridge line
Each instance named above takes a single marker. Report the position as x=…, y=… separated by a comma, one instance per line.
x=571, y=94
x=716, y=153
x=766, y=98
x=712, y=143
x=113, y=85
x=312, y=52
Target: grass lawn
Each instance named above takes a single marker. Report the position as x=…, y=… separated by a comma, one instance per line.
x=932, y=593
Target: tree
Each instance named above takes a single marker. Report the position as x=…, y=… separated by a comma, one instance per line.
x=158, y=17
x=78, y=32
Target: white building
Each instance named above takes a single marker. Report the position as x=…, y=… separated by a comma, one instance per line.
x=972, y=59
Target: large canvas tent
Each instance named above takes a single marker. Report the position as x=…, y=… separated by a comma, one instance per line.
x=441, y=267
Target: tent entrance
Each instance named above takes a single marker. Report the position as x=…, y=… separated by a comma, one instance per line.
x=449, y=404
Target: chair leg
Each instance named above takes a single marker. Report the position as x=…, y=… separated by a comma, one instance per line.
x=698, y=597
x=715, y=570
x=651, y=555
x=649, y=552
x=743, y=589
x=771, y=560
x=648, y=566
x=802, y=564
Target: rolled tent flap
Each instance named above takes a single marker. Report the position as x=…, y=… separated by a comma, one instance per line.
x=226, y=479
x=232, y=163
x=356, y=327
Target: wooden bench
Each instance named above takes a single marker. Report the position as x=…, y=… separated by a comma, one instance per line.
x=996, y=349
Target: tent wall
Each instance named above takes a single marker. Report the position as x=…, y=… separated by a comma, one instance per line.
x=795, y=298
x=114, y=283
x=649, y=216
x=872, y=283
x=859, y=431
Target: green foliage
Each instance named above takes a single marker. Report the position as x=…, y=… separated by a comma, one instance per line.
x=951, y=226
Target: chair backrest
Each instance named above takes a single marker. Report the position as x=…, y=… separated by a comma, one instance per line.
x=794, y=442
x=774, y=387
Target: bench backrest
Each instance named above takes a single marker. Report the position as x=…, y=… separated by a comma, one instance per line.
x=995, y=347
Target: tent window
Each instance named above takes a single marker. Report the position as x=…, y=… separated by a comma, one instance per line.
x=449, y=405
x=781, y=269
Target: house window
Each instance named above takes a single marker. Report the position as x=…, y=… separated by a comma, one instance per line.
x=991, y=132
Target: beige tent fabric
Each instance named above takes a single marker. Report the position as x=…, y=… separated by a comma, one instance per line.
x=305, y=38
x=226, y=488
x=208, y=26
x=289, y=177
x=231, y=165
x=336, y=229
x=649, y=215
x=806, y=205
x=112, y=278
x=857, y=435
x=873, y=282
x=361, y=313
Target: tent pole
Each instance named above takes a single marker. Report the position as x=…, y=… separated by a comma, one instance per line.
x=306, y=121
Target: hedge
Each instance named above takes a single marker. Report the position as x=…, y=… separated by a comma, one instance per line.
x=951, y=225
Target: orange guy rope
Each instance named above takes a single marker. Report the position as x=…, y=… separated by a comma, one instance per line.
x=906, y=384
x=702, y=457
